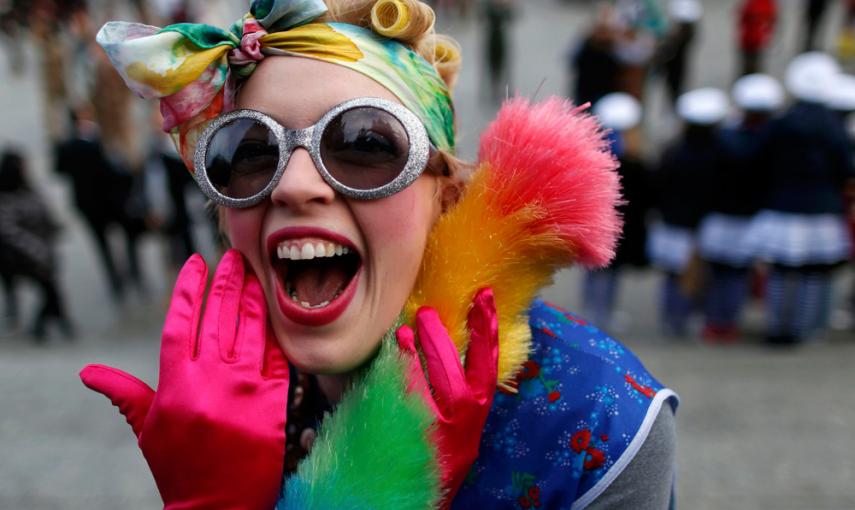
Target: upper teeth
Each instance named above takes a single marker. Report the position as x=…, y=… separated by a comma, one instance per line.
x=302, y=250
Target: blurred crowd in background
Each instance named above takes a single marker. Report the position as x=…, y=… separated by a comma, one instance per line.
x=753, y=199
x=754, y=196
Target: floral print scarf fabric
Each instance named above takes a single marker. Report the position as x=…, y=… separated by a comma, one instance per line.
x=194, y=68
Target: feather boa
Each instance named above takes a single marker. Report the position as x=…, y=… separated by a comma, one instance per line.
x=374, y=451
x=542, y=198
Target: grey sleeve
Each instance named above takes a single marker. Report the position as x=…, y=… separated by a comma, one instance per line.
x=647, y=482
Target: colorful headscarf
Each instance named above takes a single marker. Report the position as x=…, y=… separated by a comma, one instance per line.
x=194, y=68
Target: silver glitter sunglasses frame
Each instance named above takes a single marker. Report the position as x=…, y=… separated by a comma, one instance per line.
x=310, y=139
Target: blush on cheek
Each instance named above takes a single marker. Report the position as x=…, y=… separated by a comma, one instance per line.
x=394, y=218
x=407, y=215
x=238, y=226
x=243, y=228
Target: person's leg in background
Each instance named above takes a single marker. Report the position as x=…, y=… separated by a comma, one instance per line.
x=600, y=288
x=724, y=301
x=780, y=302
x=98, y=228
x=52, y=308
x=10, y=298
x=811, y=292
x=676, y=306
x=133, y=231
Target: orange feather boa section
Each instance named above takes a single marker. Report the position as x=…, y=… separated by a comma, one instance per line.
x=542, y=198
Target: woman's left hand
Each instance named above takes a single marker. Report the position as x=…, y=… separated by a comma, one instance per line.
x=461, y=399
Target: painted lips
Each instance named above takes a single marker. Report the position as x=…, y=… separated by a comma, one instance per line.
x=293, y=310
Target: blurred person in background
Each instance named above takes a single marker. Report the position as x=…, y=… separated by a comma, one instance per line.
x=756, y=21
x=800, y=231
x=93, y=181
x=683, y=184
x=45, y=21
x=643, y=15
x=45, y=26
x=112, y=111
x=841, y=100
x=498, y=15
x=813, y=13
x=13, y=20
x=594, y=62
x=846, y=37
x=737, y=194
x=27, y=243
x=672, y=54
x=621, y=113
x=9, y=281
x=635, y=49
x=641, y=23
x=166, y=173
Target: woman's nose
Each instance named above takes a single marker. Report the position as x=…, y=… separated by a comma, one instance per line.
x=301, y=185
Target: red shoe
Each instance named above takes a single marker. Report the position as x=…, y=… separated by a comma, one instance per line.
x=715, y=334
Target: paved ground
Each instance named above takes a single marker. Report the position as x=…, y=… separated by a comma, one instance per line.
x=757, y=429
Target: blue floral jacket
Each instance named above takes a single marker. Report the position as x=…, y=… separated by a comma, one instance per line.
x=584, y=408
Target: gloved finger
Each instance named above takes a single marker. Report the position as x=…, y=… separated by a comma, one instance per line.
x=416, y=382
x=182, y=319
x=275, y=363
x=132, y=396
x=482, y=357
x=248, y=347
x=219, y=322
x=443, y=363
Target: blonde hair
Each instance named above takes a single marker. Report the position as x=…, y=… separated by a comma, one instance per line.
x=409, y=22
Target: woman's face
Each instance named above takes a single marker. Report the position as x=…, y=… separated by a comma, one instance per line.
x=328, y=313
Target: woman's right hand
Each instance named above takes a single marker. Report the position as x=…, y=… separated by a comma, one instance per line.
x=214, y=432
x=461, y=399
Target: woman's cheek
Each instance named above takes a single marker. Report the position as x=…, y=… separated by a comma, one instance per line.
x=243, y=227
x=406, y=216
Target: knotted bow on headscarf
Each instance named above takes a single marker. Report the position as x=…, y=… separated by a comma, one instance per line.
x=194, y=68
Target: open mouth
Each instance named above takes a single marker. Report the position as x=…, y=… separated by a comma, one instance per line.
x=316, y=275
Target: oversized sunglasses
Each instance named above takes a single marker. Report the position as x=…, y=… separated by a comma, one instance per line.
x=365, y=148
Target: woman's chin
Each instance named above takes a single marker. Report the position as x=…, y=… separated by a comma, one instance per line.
x=327, y=358
x=329, y=347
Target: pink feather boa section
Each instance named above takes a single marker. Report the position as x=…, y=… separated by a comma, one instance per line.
x=555, y=155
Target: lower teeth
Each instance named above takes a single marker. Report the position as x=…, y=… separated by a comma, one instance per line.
x=308, y=305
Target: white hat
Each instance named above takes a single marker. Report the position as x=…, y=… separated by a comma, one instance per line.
x=758, y=92
x=706, y=106
x=809, y=76
x=618, y=110
x=841, y=94
x=686, y=11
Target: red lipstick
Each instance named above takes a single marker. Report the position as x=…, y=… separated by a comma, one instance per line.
x=291, y=309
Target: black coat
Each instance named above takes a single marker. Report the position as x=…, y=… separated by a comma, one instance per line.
x=737, y=184
x=685, y=176
x=92, y=177
x=807, y=158
x=637, y=191
x=596, y=70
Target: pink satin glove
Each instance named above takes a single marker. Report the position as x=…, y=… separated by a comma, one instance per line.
x=461, y=398
x=214, y=432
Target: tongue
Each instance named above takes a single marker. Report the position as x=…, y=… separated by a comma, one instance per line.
x=318, y=281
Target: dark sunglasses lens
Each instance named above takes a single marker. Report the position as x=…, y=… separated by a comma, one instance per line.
x=365, y=148
x=241, y=158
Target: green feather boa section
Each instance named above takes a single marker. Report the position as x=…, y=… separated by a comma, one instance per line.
x=374, y=451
